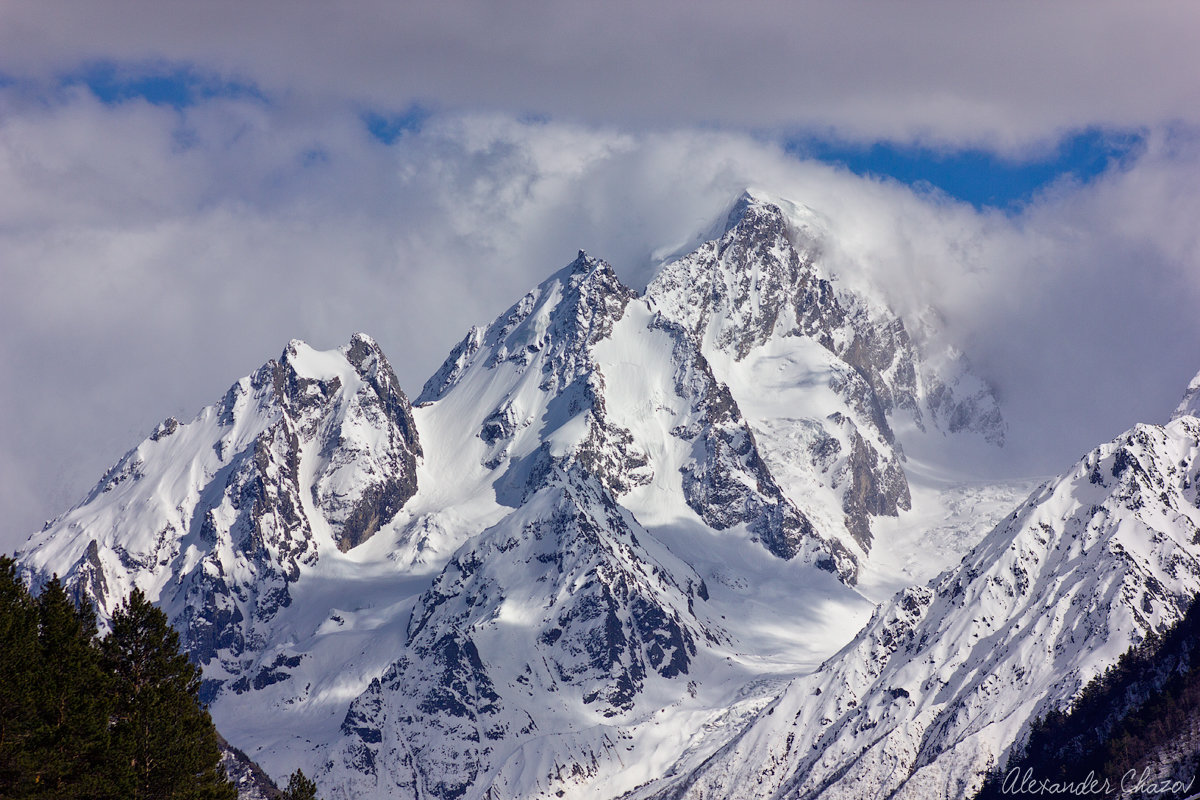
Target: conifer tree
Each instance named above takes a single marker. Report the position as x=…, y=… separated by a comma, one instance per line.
x=300, y=787
x=162, y=737
x=74, y=700
x=21, y=668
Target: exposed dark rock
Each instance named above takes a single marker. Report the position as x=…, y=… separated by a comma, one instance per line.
x=727, y=483
x=452, y=368
x=876, y=487
x=250, y=518
x=276, y=671
x=977, y=413
x=251, y=781
x=609, y=618
x=89, y=582
x=164, y=429
x=385, y=406
x=376, y=507
x=759, y=281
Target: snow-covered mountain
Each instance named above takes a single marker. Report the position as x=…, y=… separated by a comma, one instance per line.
x=617, y=542
x=945, y=678
x=536, y=645
x=216, y=518
x=561, y=376
x=821, y=372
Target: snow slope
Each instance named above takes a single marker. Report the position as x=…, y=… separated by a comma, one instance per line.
x=217, y=518
x=946, y=677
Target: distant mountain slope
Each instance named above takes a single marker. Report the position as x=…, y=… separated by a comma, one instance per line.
x=838, y=365
x=945, y=678
x=533, y=390
x=551, y=627
x=252, y=783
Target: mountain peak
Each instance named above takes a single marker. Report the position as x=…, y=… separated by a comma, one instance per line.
x=803, y=226
x=362, y=342
x=302, y=359
x=554, y=324
x=583, y=262
x=215, y=518
x=946, y=679
x=745, y=202
x=1189, y=406
x=591, y=269
x=592, y=462
x=751, y=207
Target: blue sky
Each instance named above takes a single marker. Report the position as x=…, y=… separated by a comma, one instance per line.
x=984, y=178
x=177, y=86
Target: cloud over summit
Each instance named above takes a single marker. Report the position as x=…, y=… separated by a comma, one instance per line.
x=152, y=252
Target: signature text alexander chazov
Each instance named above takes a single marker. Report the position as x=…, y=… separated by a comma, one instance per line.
x=1026, y=783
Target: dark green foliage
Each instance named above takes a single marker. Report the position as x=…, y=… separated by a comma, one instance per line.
x=74, y=698
x=112, y=719
x=20, y=658
x=162, y=737
x=55, y=698
x=1143, y=702
x=300, y=788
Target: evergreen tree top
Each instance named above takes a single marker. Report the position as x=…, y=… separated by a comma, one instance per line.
x=111, y=719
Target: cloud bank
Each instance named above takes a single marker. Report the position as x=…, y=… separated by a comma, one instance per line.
x=1009, y=75
x=151, y=254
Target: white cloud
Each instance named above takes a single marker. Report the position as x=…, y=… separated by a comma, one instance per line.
x=1010, y=75
x=150, y=257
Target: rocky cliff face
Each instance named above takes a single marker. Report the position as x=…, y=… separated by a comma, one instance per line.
x=539, y=351
x=551, y=624
x=546, y=361
x=758, y=290
x=218, y=517
x=251, y=782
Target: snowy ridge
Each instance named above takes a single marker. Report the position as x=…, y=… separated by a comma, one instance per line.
x=944, y=679
x=658, y=385
x=526, y=390
x=216, y=518
x=763, y=279
x=534, y=390
x=555, y=623
x=541, y=399
x=1189, y=406
x=758, y=302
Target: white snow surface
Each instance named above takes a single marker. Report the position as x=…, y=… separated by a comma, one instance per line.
x=644, y=535
x=946, y=677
